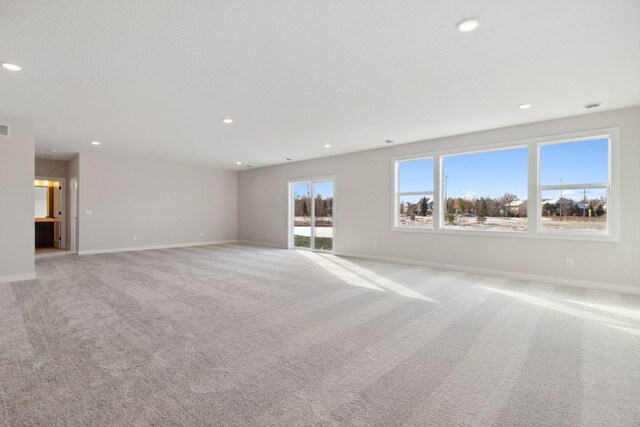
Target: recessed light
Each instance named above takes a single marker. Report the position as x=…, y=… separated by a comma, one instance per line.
x=389, y=141
x=524, y=106
x=95, y=142
x=227, y=120
x=11, y=67
x=593, y=105
x=467, y=25
x=327, y=145
x=238, y=163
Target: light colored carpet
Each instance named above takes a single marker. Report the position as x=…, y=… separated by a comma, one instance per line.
x=239, y=335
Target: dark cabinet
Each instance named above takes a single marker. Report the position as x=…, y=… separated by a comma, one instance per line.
x=44, y=234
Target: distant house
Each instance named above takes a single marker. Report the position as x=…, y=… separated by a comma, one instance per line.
x=583, y=209
x=582, y=205
x=518, y=207
x=562, y=205
x=588, y=209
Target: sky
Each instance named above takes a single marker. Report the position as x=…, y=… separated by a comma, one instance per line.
x=324, y=188
x=495, y=173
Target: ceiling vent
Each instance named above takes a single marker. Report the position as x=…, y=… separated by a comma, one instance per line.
x=4, y=130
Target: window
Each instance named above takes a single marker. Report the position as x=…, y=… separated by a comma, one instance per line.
x=574, y=186
x=486, y=190
x=414, y=193
x=562, y=187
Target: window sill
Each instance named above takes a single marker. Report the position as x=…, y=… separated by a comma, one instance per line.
x=545, y=235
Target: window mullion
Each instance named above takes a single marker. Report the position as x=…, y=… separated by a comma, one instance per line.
x=437, y=193
x=573, y=186
x=533, y=181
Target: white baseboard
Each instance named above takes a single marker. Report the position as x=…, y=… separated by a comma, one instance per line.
x=269, y=245
x=625, y=289
x=17, y=277
x=148, y=248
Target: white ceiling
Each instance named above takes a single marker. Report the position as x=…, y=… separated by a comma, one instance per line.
x=151, y=78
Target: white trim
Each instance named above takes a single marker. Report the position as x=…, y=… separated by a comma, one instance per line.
x=313, y=178
x=502, y=146
x=73, y=214
x=572, y=186
x=290, y=228
x=611, y=234
x=417, y=193
x=17, y=278
x=595, y=236
x=147, y=248
x=63, y=208
x=397, y=194
x=585, y=284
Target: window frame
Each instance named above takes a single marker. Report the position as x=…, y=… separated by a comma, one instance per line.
x=398, y=194
x=605, y=185
x=534, y=188
x=466, y=153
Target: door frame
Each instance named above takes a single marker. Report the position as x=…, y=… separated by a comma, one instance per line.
x=290, y=206
x=63, y=206
x=73, y=214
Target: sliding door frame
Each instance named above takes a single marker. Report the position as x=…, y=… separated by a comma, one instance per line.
x=311, y=180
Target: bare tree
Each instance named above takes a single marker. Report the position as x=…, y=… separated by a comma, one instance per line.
x=505, y=202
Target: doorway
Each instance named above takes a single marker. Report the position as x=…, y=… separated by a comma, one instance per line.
x=311, y=214
x=49, y=214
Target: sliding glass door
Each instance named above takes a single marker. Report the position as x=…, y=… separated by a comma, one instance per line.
x=311, y=220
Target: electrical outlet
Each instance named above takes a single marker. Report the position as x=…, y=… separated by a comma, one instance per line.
x=202, y=234
x=268, y=235
x=569, y=262
x=375, y=245
x=135, y=237
x=89, y=212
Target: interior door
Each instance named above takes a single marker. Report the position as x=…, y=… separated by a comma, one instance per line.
x=73, y=193
x=312, y=206
x=57, y=215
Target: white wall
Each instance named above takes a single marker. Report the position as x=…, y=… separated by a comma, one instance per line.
x=52, y=168
x=161, y=203
x=364, y=186
x=17, y=238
